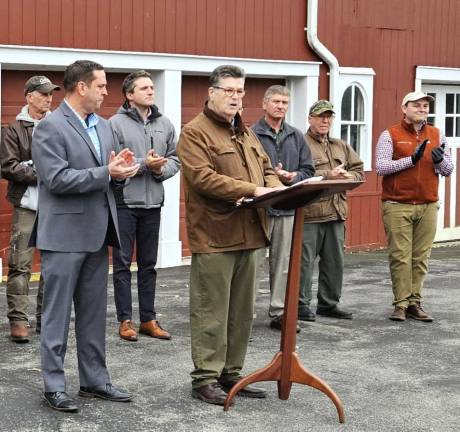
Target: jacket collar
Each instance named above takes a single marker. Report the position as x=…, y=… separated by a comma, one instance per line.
x=239, y=128
x=318, y=137
x=410, y=127
x=263, y=128
x=132, y=112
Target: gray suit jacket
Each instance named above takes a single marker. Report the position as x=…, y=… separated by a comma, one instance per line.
x=76, y=208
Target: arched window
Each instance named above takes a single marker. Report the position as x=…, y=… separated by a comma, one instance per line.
x=352, y=117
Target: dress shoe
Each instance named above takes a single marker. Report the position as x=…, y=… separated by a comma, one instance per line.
x=127, y=331
x=277, y=324
x=399, y=314
x=211, y=393
x=335, y=312
x=106, y=391
x=153, y=329
x=250, y=390
x=19, y=331
x=60, y=401
x=416, y=312
x=306, y=314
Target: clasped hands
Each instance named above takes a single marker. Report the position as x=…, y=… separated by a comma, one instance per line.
x=286, y=177
x=339, y=172
x=154, y=162
x=122, y=166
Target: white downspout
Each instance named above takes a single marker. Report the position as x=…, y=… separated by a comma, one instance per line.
x=326, y=55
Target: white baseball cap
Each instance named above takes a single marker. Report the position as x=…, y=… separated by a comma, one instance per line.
x=415, y=96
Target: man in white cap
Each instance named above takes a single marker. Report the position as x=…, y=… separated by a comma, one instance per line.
x=410, y=157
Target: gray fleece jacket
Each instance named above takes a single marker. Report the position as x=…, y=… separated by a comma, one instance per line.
x=145, y=190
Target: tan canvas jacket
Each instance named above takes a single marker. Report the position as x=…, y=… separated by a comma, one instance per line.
x=221, y=164
x=325, y=159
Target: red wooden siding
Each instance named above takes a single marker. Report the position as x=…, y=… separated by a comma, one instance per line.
x=243, y=28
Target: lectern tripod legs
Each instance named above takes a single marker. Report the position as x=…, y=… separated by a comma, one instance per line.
x=297, y=374
x=285, y=368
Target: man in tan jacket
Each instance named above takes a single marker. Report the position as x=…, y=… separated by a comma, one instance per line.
x=222, y=161
x=324, y=228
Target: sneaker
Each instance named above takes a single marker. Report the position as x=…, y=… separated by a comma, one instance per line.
x=399, y=314
x=416, y=312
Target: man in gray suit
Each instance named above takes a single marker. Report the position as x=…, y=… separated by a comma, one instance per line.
x=76, y=222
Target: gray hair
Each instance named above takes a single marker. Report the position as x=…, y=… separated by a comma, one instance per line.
x=276, y=90
x=225, y=71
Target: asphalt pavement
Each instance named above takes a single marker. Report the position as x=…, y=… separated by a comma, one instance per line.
x=390, y=376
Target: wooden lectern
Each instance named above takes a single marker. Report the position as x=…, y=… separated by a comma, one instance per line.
x=286, y=368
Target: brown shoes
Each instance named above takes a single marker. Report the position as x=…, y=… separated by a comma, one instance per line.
x=250, y=390
x=19, y=332
x=416, y=312
x=211, y=393
x=153, y=329
x=127, y=331
x=399, y=314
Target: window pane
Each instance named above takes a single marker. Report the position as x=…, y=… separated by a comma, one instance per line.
x=359, y=105
x=449, y=130
x=432, y=103
x=354, y=137
x=344, y=133
x=457, y=110
x=457, y=126
x=346, y=104
x=430, y=120
x=449, y=103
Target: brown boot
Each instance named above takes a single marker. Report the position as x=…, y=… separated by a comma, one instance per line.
x=19, y=331
x=153, y=329
x=127, y=331
x=416, y=312
x=399, y=314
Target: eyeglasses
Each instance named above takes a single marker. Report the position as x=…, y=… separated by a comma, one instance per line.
x=231, y=91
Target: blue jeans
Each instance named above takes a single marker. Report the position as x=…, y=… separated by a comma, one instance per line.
x=140, y=227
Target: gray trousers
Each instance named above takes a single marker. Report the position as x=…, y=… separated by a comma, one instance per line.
x=82, y=278
x=20, y=266
x=280, y=235
x=326, y=240
x=221, y=311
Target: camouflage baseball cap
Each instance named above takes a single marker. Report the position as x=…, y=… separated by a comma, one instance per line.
x=321, y=107
x=41, y=84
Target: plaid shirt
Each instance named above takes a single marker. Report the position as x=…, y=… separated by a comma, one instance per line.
x=385, y=165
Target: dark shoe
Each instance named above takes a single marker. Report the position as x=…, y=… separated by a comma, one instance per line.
x=399, y=314
x=416, y=312
x=19, y=331
x=250, y=390
x=127, y=331
x=60, y=401
x=153, y=329
x=107, y=392
x=306, y=314
x=211, y=393
x=335, y=312
x=277, y=324
x=38, y=327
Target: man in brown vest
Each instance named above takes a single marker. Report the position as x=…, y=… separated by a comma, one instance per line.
x=410, y=157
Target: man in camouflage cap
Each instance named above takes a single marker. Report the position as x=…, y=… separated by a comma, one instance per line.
x=324, y=228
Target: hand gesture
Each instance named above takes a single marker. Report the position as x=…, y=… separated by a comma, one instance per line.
x=437, y=154
x=155, y=162
x=339, y=173
x=122, y=166
x=283, y=175
x=419, y=150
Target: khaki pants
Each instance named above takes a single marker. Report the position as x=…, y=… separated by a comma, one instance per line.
x=221, y=312
x=410, y=232
x=20, y=265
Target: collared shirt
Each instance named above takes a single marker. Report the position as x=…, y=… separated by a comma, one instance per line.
x=90, y=127
x=385, y=165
